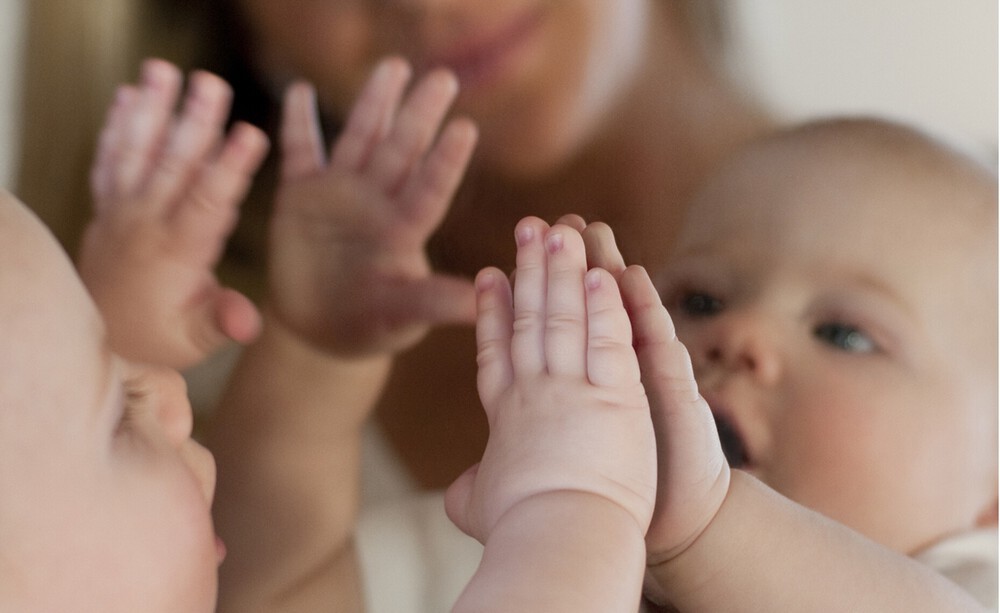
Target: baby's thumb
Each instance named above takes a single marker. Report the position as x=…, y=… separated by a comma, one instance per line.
x=437, y=300
x=237, y=316
x=225, y=315
x=457, y=500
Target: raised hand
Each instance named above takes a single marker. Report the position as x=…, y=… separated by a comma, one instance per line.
x=348, y=271
x=166, y=191
x=692, y=473
x=560, y=385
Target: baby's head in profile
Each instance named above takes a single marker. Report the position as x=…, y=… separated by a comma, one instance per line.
x=836, y=285
x=106, y=499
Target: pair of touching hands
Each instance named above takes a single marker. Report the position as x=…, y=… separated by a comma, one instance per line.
x=578, y=361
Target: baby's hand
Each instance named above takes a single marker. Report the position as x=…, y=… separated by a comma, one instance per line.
x=560, y=384
x=692, y=474
x=166, y=190
x=348, y=268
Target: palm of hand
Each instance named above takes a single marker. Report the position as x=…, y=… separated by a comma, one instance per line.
x=560, y=384
x=162, y=301
x=166, y=189
x=556, y=434
x=348, y=270
x=340, y=274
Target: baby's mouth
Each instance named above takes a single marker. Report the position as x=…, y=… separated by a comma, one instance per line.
x=732, y=443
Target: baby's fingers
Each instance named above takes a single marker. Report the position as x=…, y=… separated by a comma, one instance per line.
x=566, y=308
x=602, y=252
x=204, y=217
x=528, y=341
x=417, y=122
x=147, y=123
x=665, y=363
x=193, y=137
x=109, y=147
x=611, y=360
x=494, y=323
x=302, y=150
x=429, y=191
x=371, y=115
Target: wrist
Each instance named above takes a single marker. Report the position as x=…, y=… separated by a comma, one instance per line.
x=690, y=566
x=296, y=350
x=561, y=551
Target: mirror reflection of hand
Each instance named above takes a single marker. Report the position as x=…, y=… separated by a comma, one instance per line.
x=348, y=268
x=166, y=189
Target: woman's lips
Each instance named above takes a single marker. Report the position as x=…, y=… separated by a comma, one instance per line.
x=481, y=59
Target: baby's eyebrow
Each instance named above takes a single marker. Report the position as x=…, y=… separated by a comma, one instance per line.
x=883, y=290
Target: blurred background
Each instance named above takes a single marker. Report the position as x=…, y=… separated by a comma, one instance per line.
x=924, y=61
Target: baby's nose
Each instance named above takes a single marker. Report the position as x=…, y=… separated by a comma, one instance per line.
x=742, y=343
x=202, y=464
x=174, y=408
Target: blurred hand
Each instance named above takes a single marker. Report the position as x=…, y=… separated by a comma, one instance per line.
x=166, y=190
x=348, y=270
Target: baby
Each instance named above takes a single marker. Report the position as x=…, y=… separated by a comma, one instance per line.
x=107, y=497
x=836, y=287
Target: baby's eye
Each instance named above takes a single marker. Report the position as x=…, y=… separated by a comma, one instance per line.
x=699, y=304
x=134, y=400
x=845, y=337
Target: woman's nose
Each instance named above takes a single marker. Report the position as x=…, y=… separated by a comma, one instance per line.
x=739, y=343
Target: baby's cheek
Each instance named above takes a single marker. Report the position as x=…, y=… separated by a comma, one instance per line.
x=832, y=461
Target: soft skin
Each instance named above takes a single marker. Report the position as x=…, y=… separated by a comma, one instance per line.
x=350, y=287
x=612, y=109
x=538, y=77
x=819, y=306
x=814, y=286
x=107, y=498
x=564, y=492
x=167, y=186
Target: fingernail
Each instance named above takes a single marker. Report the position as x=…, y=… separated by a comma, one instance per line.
x=592, y=279
x=524, y=235
x=554, y=242
x=485, y=282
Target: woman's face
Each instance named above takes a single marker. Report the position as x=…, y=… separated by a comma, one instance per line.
x=538, y=76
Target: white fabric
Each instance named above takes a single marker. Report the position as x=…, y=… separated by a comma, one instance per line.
x=970, y=560
x=412, y=558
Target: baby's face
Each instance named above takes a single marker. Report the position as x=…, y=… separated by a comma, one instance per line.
x=842, y=326
x=106, y=499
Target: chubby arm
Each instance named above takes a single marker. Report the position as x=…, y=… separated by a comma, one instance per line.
x=764, y=552
x=350, y=287
x=166, y=191
x=563, y=494
x=721, y=540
